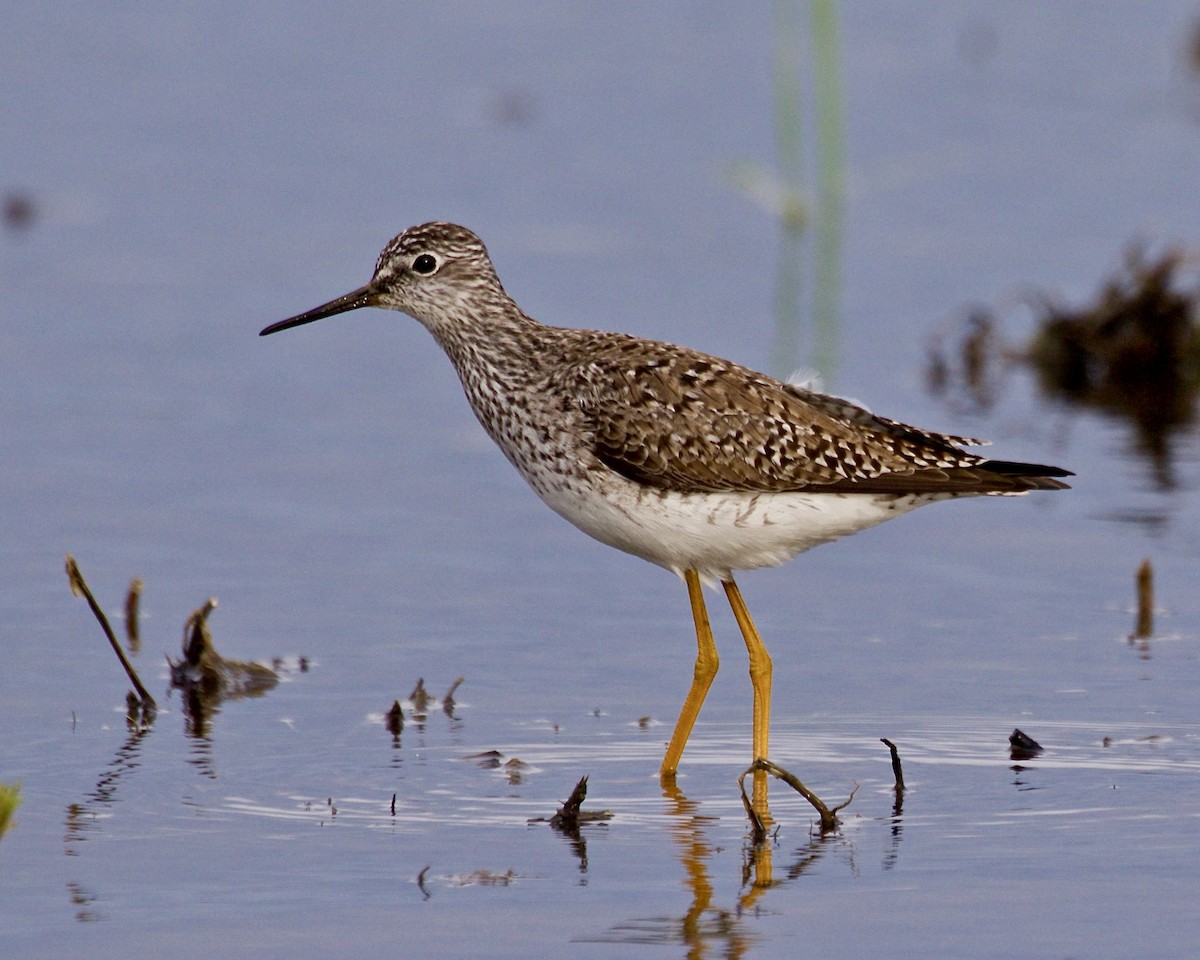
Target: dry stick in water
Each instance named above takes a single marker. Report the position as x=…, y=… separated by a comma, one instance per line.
x=420, y=696
x=899, y=773
x=568, y=814
x=829, y=820
x=79, y=587
x=449, y=697
x=1145, y=602
x=132, y=604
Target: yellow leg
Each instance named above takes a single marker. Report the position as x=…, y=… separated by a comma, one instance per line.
x=702, y=676
x=760, y=668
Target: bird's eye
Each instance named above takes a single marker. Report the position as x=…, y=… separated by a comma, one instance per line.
x=426, y=263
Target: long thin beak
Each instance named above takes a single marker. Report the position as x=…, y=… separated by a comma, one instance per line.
x=362, y=297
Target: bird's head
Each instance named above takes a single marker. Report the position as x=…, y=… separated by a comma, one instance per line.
x=434, y=272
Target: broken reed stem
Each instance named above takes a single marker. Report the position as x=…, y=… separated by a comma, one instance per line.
x=394, y=719
x=1145, y=601
x=420, y=696
x=132, y=614
x=79, y=587
x=896, y=769
x=567, y=817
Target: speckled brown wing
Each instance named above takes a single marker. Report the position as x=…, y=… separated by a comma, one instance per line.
x=841, y=409
x=694, y=423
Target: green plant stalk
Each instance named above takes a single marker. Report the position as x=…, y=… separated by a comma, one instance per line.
x=831, y=182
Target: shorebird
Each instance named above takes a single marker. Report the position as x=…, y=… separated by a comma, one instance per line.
x=694, y=463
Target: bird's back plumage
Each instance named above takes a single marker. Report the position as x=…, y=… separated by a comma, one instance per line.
x=672, y=418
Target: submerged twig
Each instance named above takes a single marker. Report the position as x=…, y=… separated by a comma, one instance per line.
x=420, y=697
x=448, y=699
x=197, y=640
x=829, y=820
x=79, y=588
x=138, y=714
x=896, y=769
x=204, y=672
x=394, y=719
x=758, y=829
x=394, y=723
x=567, y=817
x=571, y=815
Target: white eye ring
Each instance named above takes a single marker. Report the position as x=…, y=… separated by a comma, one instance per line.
x=425, y=264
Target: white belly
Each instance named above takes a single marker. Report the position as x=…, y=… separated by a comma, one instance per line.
x=716, y=533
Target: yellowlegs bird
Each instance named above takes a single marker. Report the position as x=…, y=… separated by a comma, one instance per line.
x=694, y=463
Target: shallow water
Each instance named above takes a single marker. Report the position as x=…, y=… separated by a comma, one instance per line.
x=197, y=177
